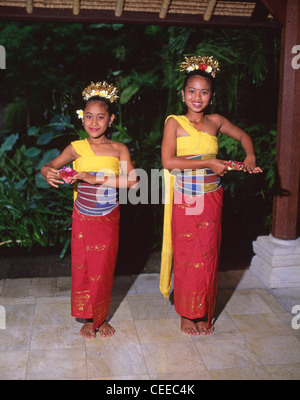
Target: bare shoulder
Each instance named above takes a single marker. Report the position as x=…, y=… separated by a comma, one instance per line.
x=119, y=146
x=121, y=149
x=216, y=118
x=215, y=122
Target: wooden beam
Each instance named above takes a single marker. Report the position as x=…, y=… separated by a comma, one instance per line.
x=76, y=7
x=119, y=8
x=164, y=8
x=209, y=10
x=286, y=213
x=277, y=8
x=90, y=16
x=29, y=6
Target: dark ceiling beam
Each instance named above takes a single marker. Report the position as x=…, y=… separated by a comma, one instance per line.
x=260, y=12
x=140, y=18
x=277, y=8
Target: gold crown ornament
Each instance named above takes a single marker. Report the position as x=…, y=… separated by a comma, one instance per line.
x=207, y=64
x=101, y=89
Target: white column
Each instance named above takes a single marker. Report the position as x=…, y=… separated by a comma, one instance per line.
x=276, y=262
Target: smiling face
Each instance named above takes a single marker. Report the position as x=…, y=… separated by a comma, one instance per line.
x=96, y=118
x=197, y=93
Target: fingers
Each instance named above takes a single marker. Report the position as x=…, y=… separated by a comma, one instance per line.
x=252, y=170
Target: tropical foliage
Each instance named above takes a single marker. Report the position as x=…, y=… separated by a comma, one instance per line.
x=61, y=59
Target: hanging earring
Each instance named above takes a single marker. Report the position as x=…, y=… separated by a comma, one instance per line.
x=183, y=100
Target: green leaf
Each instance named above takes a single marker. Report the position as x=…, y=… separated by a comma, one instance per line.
x=32, y=152
x=9, y=143
x=45, y=138
x=128, y=93
x=32, y=131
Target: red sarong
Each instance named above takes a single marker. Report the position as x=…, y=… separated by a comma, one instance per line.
x=196, y=246
x=94, y=250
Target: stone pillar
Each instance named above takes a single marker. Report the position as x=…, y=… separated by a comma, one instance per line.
x=277, y=259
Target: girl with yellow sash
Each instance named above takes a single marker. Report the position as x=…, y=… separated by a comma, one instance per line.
x=193, y=197
x=95, y=221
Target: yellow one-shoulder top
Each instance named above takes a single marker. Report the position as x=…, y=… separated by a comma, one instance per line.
x=89, y=162
x=194, y=143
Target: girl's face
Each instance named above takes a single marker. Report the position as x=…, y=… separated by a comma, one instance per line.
x=197, y=94
x=96, y=119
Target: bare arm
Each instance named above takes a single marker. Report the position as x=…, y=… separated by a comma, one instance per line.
x=229, y=129
x=50, y=170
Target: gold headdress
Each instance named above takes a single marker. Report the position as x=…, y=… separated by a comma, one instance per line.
x=207, y=64
x=102, y=89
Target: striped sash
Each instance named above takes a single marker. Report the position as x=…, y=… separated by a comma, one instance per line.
x=95, y=200
x=196, y=183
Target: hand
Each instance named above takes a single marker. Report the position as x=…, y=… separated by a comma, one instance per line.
x=51, y=176
x=250, y=165
x=220, y=167
x=86, y=177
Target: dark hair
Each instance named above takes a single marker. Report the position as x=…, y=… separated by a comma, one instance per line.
x=108, y=107
x=203, y=74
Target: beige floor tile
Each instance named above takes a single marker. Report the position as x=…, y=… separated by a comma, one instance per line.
x=151, y=307
x=284, y=372
x=178, y=357
x=146, y=283
x=54, y=364
x=246, y=304
x=42, y=287
x=15, y=338
x=254, y=373
x=19, y=315
x=224, y=329
x=112, y=361
x=160, y=331
x=260, y=325
x=56, y=336
x=16, y=287
x=55, y=310
x=119, y=310
x=276, y=349
x=13, y=365
x=227, y=353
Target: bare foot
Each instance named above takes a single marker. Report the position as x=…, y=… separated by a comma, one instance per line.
x=87, y=331
x=203, y=328
x=189, y=327
x=106, y=330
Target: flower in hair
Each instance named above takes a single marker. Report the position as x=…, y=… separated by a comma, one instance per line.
x=80, y=113
x=207, y=64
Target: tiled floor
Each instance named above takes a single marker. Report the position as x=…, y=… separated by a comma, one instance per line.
x=253, y=338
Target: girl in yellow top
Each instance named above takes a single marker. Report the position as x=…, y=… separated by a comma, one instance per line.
x=190, y=143
x=95, y=219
